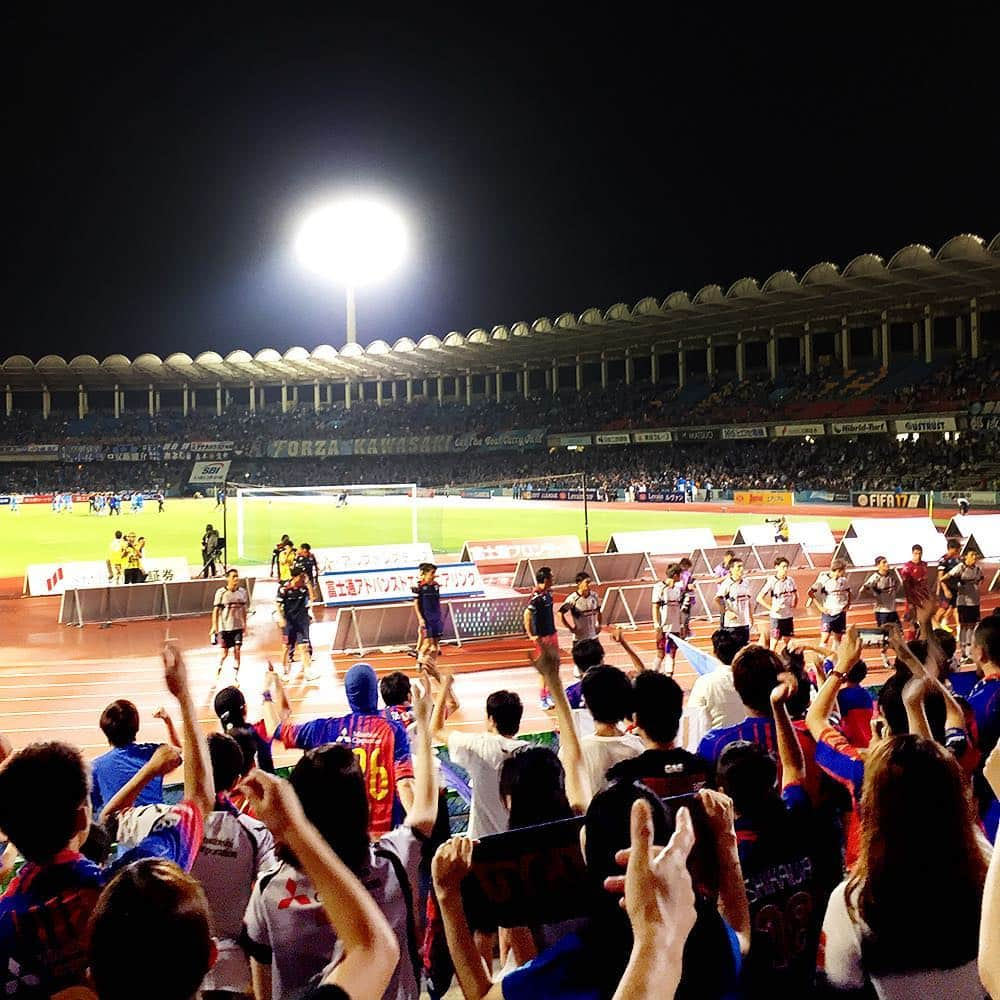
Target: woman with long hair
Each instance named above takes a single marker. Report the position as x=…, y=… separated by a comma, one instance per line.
x=906, y=921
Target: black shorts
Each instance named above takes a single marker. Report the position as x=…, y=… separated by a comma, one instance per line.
x=782, y=628
x=968, y=614
x=834, y=624
x=296, y=633
x=231, y=638
x=886, y=617
x=741, y=632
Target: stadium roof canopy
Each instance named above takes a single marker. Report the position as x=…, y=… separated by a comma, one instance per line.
x=965, y=267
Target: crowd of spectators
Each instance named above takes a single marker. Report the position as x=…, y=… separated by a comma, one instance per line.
x=777, y=852
x=833, y=464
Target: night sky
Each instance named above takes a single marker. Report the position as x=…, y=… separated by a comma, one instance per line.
x=156, y=162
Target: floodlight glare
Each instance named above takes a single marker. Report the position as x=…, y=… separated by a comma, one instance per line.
x=352, y=242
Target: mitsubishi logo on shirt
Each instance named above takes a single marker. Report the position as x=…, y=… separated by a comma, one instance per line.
x=17, y=979
x=302, y=900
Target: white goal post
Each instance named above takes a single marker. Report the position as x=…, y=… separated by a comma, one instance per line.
x=366, y=494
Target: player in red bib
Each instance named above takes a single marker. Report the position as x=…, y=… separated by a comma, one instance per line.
x=915, y=588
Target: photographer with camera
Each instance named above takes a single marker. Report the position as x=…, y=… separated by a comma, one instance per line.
x=211, y=550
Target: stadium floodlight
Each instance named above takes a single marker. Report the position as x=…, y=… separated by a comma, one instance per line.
x=352, y=242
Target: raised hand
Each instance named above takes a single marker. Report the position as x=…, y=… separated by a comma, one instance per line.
x=174, y=670
x=451, y=863
x=273, y=799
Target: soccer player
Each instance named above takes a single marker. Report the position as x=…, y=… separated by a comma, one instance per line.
x=132, y=558
x=294, y=618
x=964, y=580
x=882, y=585
x=585, y=607
x=342, y=499
x=229, y=619
x=115, y=567
x=286, y=561
x=540, y=624
x=427, y=604
x=833, y=594
x=915, y=589
x=159, y=497
x=15, y=502
x=379, y=745
x=946, y=593
x=734, y=600
x=307, y=561
x=779, y=595
x=667, y=596
x=687, y=601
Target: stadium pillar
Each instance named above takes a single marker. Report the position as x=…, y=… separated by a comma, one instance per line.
x=468, y=388
x=81, y=402
x=884, y=332
x=184, y=399
x=295, y=396
x=525, y=381
x=157, y=400
x=284, y=397
x=928, y=335
x=654, y=366
x=845, y=344
x=46, y=402
x=681, y=365
x=499, y=384
x=915, y=328
x=347, y=393
x=440, y=381
x=329, y=396
x=806, y=345
x=741, y=358
x=316, y=394
x=710, y=358
x=253, y=398
x=555, y=377
x=960, y=333
x=772, y=354
x=361, y=391
x=378, y=391
x=973, y=329
x=118, y=404
x=8, y=400
x=604, y=372
x=579, y=374
x=218, y=399
x=409, y=390
x=194, y=400
x=150, y=400
x=629, y=367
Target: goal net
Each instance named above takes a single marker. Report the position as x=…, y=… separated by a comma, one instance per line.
x=325, y=516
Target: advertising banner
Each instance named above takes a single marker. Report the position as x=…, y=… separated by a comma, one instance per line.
x=660, y=497
x=907, y=501
x=29, y=449
x=385, y=586
x=576, y=494
x=925, y=425
x=763, y=498
x=504, y=441
x=798, y=430
x=565, y=440
x=821, y=496
x=54, y=578
x=652, y=437
x=743, y=433
x=512, y=550
x=859, y=427
x=696, y=434
x=214, y=473
x=977, y=498
x=611, y=438
x=350, y=558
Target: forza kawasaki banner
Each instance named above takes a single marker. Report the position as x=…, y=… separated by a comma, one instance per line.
x=894, y=501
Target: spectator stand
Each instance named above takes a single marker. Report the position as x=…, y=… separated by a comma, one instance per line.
x=389, y=627
x=814, y=536
x=141, y=601
x=613, y=567
x=669, y=542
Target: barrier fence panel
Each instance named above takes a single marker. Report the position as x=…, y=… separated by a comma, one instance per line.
x=387, y=626
x=140, y=601
x=628, y=605
x=672, y=542
x=614, y=567
x=705, y=560
x=795, y=552
x=564, y=570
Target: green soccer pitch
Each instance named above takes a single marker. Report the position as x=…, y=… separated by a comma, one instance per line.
x=36, y=535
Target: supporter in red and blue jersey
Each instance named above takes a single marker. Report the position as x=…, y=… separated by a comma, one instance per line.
x=380, y=745
x=755, y=675
x=856, y=707
x=396, y=693
x=45, y=911
x=984, y=699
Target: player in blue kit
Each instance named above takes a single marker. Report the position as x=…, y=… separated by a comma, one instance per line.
x=427, y=604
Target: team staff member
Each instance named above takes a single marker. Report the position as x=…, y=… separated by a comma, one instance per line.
x=132, y=558
x=210, y=551
x=294, y=618
x=276, y=554
x=115, y=566
x=540, y=624
x=286, y=562
x=946, y=592
x=229, y=619
x=307, y=561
